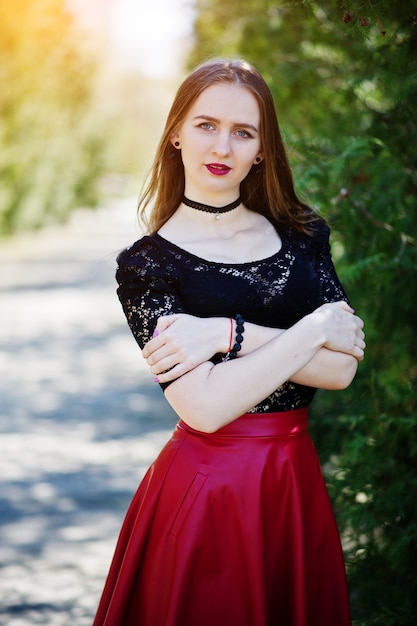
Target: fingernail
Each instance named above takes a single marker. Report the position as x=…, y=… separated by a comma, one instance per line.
x=156, y=379
x=155, y=333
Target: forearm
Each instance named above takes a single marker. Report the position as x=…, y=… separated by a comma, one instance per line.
x=208, y=397
x=327, y=369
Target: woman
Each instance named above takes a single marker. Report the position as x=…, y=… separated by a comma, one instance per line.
x=235, y=303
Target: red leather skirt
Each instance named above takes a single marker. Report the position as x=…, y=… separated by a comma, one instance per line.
x=232, y=528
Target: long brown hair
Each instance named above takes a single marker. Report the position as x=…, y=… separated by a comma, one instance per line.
x=267, y=189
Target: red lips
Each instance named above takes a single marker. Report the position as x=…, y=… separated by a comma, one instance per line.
x=218, y=169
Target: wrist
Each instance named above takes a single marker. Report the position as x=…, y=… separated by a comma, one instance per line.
x=314, y=329
x=236, y=336
x=221, y=331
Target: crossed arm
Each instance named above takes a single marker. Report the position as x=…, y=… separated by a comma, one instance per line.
x=321, y=350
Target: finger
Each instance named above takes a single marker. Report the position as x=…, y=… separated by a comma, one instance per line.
x=359, y=321
x=165, y=321
x=361, y=344
x=163, y=365
x=172, y=374
x=154, y=344
x=359, y=354
x=359, y=349
x=162, y=353
x=162, y=324
x=154, y=350
x=344, y=305
x=149, y=348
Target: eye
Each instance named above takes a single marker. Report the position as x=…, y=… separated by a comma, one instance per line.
x=240, y=132
x=206, y=126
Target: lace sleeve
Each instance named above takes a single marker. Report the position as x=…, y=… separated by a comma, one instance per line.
x=331, y=289
x=147, y=288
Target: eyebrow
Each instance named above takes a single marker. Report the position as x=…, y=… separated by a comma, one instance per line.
x=209, y=118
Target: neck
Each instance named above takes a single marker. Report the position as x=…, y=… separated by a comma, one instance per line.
x=207, y=208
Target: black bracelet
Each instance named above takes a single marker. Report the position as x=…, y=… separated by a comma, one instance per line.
x=240, y=329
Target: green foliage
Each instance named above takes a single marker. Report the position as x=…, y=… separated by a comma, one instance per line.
x=51, y=147
x=344, y=77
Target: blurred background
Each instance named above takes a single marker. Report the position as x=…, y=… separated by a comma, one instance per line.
x=85, y=87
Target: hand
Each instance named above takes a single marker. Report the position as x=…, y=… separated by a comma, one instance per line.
x=181, y=342
x=342, y=329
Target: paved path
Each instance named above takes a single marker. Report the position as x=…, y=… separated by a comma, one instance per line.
x=80, y=418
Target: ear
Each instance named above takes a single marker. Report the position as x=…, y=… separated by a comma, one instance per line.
x=175, y=140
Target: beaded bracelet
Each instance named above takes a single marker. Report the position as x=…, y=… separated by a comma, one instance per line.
x=240, y=329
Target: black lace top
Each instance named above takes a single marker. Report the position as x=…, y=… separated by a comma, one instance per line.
x=156, y=278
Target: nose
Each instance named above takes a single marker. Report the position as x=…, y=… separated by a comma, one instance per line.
x=222, y=144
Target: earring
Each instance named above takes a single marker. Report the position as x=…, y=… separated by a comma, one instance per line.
x=258, y=160
x=177, y=144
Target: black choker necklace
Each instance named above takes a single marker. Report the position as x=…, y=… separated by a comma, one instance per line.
x=212, y=209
